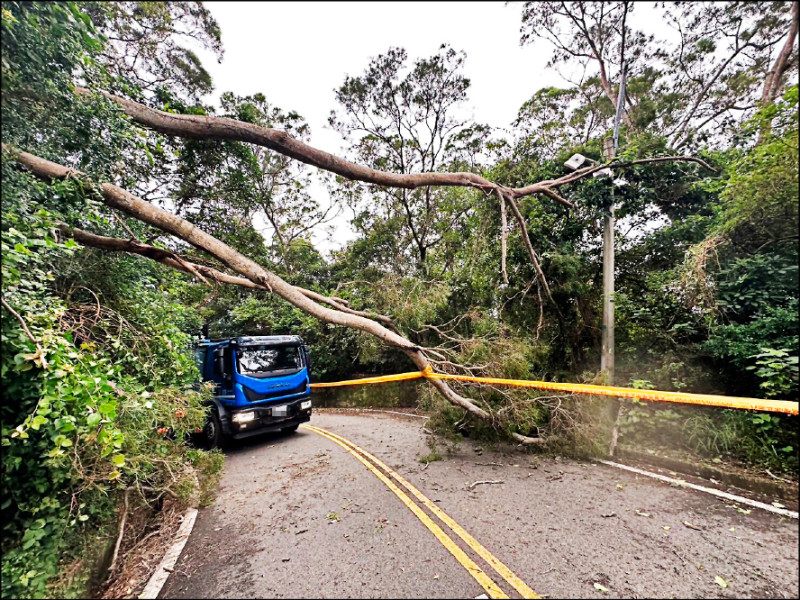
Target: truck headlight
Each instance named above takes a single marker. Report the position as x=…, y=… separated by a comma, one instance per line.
x=305, y=405
x=244, y=417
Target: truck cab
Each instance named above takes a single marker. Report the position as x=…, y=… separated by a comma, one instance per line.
x=261, y=385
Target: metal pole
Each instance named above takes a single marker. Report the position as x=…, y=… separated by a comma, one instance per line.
x=610, y=147
x=607, y=358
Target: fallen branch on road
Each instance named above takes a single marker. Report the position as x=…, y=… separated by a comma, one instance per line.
x=477, y=483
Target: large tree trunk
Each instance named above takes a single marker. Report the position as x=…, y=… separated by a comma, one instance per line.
x=222, y=128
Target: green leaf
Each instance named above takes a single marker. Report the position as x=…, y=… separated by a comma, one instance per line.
x=108, y=409
x=37, y=422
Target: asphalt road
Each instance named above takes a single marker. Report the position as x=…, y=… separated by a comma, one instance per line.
x=300, y=516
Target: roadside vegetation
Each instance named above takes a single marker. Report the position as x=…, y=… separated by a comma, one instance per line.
x=99, y=383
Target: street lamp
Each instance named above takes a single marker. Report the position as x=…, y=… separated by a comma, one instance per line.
x=579, y=161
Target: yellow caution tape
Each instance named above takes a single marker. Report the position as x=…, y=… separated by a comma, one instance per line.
x=381, y=379
x=782, y=406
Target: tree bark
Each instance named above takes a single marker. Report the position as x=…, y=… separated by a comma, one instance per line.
x=223, y=128
x=503, y=237
x=772, y=82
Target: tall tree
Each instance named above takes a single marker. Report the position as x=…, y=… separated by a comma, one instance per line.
x=407, y=119
x=727, y=54
x=696, y=89
x=152, y=45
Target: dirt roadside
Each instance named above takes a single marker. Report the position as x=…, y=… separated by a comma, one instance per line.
x=297, y=516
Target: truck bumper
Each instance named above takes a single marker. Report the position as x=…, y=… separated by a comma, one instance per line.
x=270, y=418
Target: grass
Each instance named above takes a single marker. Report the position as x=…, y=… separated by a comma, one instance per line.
x=431, y=457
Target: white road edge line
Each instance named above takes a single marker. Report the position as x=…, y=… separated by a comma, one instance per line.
x=712, y=491
x=159, y=578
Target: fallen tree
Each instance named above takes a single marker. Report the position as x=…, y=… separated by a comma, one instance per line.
x=257, y=276
x=332, y=310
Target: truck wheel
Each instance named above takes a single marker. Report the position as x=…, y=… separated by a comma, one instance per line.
x=213, y=431
x=291, y=429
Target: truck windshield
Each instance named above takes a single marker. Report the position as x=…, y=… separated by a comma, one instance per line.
x=269, y=361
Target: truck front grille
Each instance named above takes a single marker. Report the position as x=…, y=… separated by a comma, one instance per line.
x=256, y=397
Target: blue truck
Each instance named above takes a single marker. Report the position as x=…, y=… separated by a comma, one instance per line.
x=262, y=385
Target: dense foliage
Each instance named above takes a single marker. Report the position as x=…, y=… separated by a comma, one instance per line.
x=96, y=349
x=99, y=383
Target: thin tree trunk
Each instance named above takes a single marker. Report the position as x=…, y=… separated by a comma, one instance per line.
x=772, y=82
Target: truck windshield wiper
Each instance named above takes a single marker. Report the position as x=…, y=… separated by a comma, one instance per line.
x=276, y=373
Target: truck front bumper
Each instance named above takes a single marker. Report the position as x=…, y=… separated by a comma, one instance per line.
x=270, y=418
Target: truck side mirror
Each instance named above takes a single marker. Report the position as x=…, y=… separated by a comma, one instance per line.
x=307, y=355
x=219, y=362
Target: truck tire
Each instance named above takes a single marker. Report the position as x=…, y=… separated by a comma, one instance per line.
x=291, y=429
x=212, y=431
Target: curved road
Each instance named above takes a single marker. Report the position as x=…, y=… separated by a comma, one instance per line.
x=302, y=516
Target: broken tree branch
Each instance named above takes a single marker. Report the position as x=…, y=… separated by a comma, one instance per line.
x=531, y=252
x=176, y=262
x=134, y=247
x=223, y=128
x=121, y=533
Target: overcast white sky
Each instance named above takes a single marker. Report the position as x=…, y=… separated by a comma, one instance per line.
x=296, y=53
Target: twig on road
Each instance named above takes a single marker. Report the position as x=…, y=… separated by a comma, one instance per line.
x=477, y=483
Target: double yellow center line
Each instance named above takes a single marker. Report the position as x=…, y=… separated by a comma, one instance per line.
x=372, y=463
